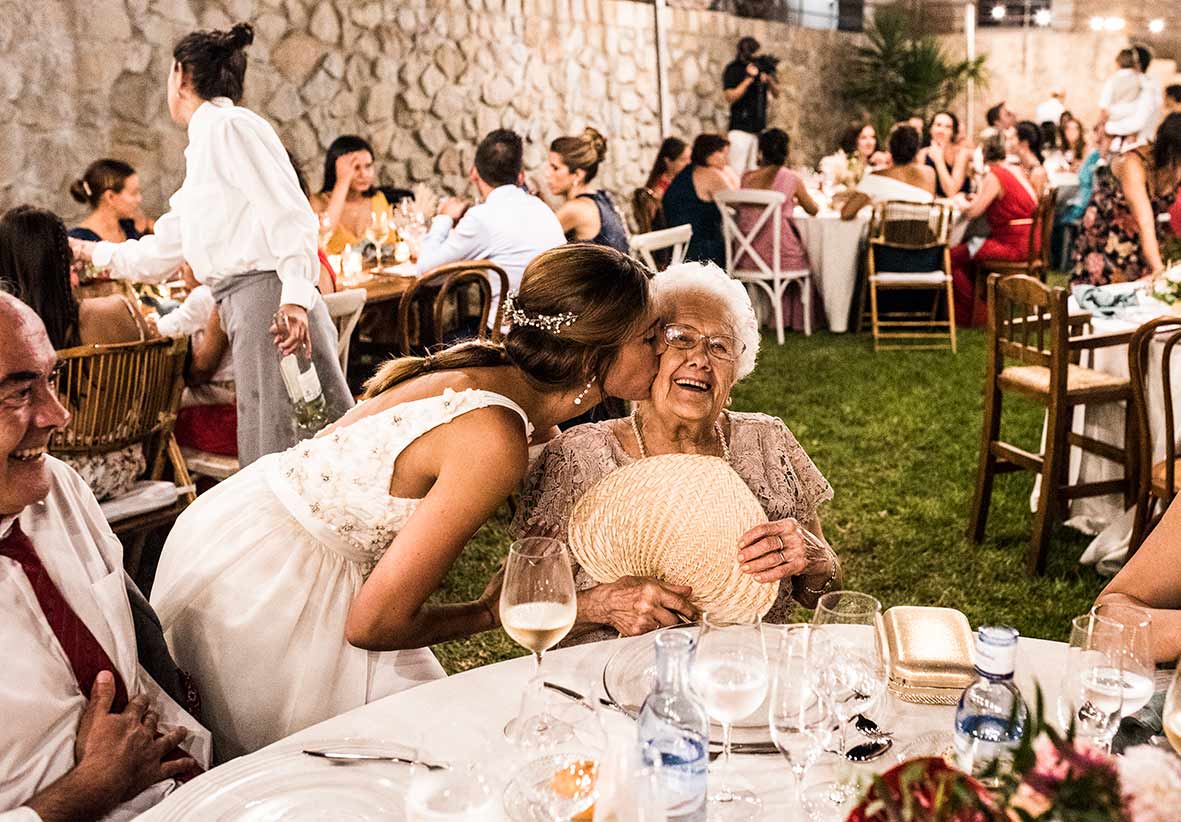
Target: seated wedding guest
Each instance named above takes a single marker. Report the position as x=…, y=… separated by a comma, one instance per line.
x=1072, y=139
x=1121, y=232
x=863, y=150
x=111, y=189
x=589, y=214
x=1152, y=579
x=947, y=154
x=1069, y=218
x=208, y=417
x=35, y=254
x=509, y=226
x=1173, y=99
x=88, y=730
x=1008, y=201
x=348, y=199
x=673, y=156
x=916, y=122
x=907, y=179
x=710, y=339
x=339, y=543
x=690, y=197
x=1051, y=109
x=1026, y=145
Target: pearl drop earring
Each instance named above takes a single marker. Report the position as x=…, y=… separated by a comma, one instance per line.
x=582, y=393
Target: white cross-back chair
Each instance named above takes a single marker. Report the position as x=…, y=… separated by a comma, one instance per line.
x=765, y=274
x=345, y=308
x=676, y=239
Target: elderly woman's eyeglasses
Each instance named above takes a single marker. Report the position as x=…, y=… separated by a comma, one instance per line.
x=719, y=346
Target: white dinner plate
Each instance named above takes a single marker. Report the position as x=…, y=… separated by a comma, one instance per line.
x=288, y=785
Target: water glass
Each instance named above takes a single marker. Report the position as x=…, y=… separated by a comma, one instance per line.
x=628, y=790
x=465, y=789
x=538, y=605
x=800, y=722
x=848, y=667
x=1172, y=716
x=1092, y=695
x=1139, y=663
x=730, y=676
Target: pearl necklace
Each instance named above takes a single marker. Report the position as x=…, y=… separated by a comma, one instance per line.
x=644, y=452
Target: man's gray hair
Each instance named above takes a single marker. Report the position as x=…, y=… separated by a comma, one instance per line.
x=709, y=281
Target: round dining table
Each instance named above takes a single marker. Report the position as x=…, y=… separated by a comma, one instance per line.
x=484, y=699
x=834, y=250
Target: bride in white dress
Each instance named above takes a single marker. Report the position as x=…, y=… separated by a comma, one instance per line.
x=297, y=589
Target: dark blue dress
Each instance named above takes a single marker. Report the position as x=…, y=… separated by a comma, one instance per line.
x=128, y=227
x=683, y=206
x=612, y=231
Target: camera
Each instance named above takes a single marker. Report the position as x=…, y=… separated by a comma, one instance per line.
x=767, y=64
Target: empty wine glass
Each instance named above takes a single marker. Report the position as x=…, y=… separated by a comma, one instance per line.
x=1172, y=715
x=538, y=605
x=849, y=665
x=730, y=676
x=1139, y=664
x=1092, y=693
x=466, y=789
x=800, y=722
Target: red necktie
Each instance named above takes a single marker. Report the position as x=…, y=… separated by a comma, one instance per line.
x=87, y=657
x=84, y=652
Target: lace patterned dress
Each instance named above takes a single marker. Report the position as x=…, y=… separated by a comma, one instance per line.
x=763, y=452
x=256, y=578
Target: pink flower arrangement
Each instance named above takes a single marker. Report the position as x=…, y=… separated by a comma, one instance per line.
x=1150, y=780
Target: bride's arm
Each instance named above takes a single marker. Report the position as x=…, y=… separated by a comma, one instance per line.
x=477, y=472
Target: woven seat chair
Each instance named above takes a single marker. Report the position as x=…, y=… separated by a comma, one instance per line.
x=917, y=232
x=436, y=304
x=1157, y=481
x=1029, y=322
x=121, y=395
x=1037, y=256
x=660, y=249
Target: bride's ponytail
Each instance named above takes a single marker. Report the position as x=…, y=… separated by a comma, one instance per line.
x=473, y=354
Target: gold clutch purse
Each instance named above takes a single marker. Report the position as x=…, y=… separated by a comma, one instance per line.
x=930, y=653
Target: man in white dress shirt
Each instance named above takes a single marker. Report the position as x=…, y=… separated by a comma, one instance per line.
x=70, y=749
x=509, y=227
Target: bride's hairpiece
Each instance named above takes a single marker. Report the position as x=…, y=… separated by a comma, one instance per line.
x=553, y=323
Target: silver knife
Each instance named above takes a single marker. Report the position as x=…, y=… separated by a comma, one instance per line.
x=353, y=756
x=573, y=694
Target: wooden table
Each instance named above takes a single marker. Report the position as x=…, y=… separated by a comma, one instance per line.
x=386, y=287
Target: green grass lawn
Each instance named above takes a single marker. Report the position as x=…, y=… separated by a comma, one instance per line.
x=897, y=435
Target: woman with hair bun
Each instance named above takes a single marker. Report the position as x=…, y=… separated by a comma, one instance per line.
x=111, y=189
x=589, y=214
x=242, y=223
x=310, y=573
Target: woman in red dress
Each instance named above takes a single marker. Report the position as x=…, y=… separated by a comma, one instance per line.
x=1007, y=200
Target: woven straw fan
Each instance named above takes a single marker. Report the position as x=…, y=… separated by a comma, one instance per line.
x=676, y=518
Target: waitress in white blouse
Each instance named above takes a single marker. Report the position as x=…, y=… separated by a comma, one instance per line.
x=242, y=223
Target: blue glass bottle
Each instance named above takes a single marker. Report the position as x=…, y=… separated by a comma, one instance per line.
x=674, y=729
x=991, y=715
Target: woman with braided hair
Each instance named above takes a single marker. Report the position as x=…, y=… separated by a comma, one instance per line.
x=308, y=572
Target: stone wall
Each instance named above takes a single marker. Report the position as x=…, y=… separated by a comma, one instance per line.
x=422, y=79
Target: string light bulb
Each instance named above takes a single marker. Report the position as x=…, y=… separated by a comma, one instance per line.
x=998, y=12
x=1156, y=26
x=1042, y=17
x=1096, y=24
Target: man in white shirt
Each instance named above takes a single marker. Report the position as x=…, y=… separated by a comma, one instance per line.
x=87, y=733
x=509, y=227
x=1050, y=111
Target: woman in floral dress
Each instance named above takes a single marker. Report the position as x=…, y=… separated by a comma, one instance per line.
x=1120, y=237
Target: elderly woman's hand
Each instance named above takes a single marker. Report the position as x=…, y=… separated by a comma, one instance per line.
x=778, y=550
x=635, y=605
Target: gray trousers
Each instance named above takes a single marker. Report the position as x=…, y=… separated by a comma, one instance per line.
x=246, y=303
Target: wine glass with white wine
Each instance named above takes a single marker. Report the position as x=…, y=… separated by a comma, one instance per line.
x=538, y=605
x=1092, y=695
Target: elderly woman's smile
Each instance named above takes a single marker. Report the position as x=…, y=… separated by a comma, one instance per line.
x=697, y=367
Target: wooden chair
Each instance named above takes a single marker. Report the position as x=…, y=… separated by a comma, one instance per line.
x=437, y=301
x=345, y=307
x=765, y=274
x=122, y=395
x=1037, y=255
x=919, y=231
x=650, y=248
x=1157, y=481
x=1028, y=322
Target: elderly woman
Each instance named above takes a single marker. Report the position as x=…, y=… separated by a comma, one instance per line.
x=710, y=342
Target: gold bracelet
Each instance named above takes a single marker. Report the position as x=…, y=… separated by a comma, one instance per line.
x=832, y=575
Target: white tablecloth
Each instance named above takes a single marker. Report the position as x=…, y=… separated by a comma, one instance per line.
x=1105, y=516
x=834, y=249
x=486, y=698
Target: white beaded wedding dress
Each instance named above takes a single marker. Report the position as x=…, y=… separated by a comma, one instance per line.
x=257, y=576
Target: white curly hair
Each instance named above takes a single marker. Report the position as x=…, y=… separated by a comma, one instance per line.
x=709, y=281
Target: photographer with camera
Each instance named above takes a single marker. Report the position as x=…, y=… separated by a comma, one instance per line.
x=747, y=81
